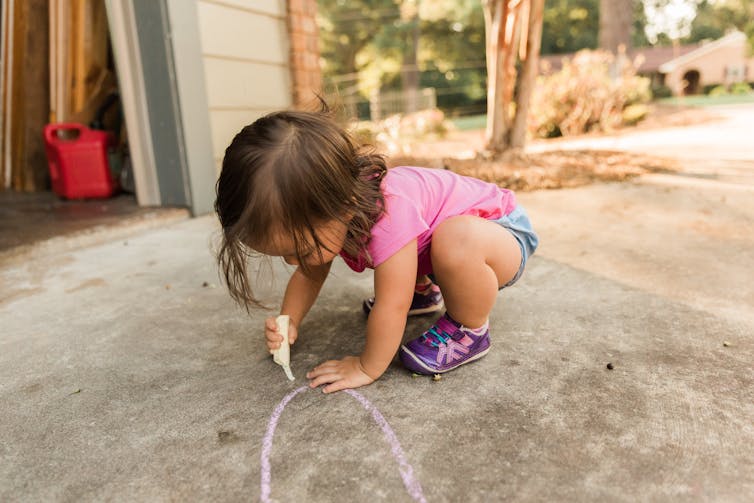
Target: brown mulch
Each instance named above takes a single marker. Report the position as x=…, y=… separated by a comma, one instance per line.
x=552, y=169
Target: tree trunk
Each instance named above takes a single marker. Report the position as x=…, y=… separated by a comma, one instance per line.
x=616, y=22
x=529, y=73
x=498, y=110
x=503, y=31
x=410, y=70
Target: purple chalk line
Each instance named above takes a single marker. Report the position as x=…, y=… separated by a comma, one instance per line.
x=267, y=442
x=407, y=473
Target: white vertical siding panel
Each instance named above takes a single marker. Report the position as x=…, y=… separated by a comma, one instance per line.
x=241, y=34
x=247, y=71
x=269, y=7
x=253, y=85
x=226, y=124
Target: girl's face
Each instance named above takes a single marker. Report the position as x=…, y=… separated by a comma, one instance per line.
x=332, y=235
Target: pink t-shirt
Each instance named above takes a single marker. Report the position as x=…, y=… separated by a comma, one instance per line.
x=417, y=200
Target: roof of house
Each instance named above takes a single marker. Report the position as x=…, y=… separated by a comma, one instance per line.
x=651, y=57
x=735, y=37
x=654, y=57
x=661, y=59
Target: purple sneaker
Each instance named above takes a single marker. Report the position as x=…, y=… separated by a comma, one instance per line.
x=445, y=346
x=428, y=301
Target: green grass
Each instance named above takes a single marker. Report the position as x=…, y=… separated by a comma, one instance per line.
x=470, y=122
x=708, y=101
x=473, y=122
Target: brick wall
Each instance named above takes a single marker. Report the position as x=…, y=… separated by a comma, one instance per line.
x=306, y=74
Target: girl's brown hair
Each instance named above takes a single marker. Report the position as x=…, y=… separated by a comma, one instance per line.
x=288, y=172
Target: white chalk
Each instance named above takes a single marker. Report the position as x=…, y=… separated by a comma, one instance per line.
x=282, y=355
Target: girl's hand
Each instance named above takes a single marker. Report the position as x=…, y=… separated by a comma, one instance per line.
x=340, y=374
x=274, y=338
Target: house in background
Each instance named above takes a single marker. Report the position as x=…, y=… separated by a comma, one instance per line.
x=722, y=62
x=688, y=69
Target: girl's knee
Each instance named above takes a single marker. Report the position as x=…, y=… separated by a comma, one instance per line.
x=450, y=229
x=452, y=241
x=465, y=241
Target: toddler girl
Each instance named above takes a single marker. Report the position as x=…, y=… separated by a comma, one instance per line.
x=297, y=186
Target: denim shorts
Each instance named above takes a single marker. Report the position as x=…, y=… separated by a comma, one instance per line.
x=517, y=222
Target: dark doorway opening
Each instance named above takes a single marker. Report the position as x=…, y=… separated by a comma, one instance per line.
x=691, y=82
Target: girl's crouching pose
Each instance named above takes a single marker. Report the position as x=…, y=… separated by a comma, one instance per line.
x=297, y=186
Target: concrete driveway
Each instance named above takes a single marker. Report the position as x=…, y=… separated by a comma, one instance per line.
x=124, y=377
x=721, y=149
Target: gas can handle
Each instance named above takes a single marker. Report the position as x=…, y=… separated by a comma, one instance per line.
x=51, y=130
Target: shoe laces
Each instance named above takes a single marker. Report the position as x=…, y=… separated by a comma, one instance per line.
x=435, y=337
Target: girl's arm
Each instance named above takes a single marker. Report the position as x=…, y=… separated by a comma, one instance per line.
x=300, y=294
x=302, y=291
x=394, y=282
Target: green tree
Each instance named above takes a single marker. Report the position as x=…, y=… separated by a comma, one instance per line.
x=638, y=36
x=347, y=29
x=452, y=34
x=452, y=53
x=714, y=19
x=570, y=25
x=372, y=44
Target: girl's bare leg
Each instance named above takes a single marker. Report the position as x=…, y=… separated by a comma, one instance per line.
x=472, y=258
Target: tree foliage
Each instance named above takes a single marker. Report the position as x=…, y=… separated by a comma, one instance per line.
x=715, y=18
x=347, y=28
x=570, y=25
x=363, y=43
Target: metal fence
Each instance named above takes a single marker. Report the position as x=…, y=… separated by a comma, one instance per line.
x=387, y=103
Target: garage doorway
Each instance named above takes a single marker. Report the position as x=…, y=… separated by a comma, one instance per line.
x=691, y=81
x=133, y=67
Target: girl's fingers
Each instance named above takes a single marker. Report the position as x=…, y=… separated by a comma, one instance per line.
x=274, y=337
x=338, y=385
x=271, y=334
x=324, y=379
x=328, y=367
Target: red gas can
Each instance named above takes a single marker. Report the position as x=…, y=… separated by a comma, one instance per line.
x=77, y=158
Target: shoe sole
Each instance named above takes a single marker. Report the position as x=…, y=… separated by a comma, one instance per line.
x=430, y=370
x=413, y=312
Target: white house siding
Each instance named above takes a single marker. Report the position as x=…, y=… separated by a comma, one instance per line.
x=245, y=49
